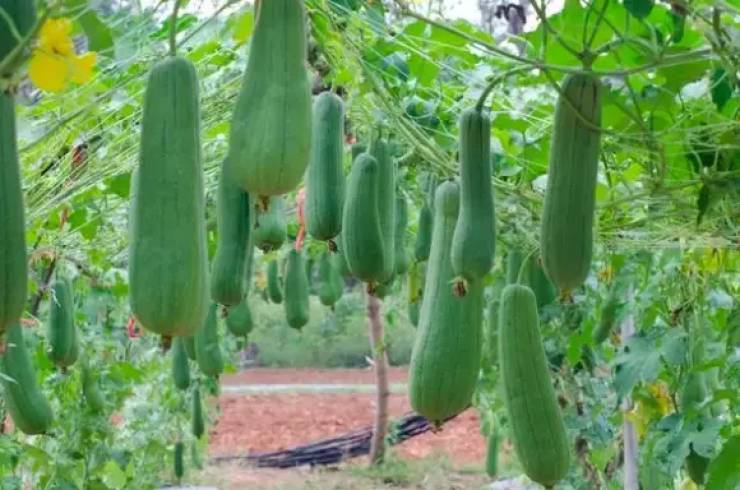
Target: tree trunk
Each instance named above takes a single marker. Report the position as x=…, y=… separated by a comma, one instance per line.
x=380, y=361
x=631, y=456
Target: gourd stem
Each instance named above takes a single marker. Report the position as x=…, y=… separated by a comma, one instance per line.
x=523, y=267
x=173, y=28
x=486, y=92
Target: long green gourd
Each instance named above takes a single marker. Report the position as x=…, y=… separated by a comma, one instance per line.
x=235, y=220
x=295, y=294
x=13, y=269
x=62, y=334
x=401, y=256
x=197, y=423
x=189, y=343
x=386, y=195
x=492, y=447
x=208, y=345
x=424, y=233
x=566, y=235
x=168, y=263
x=446, y=355
x=179, y=464
x=537, y=429
x=362, y=238
x=91, y=389
x=473, y=245
x=239, y=320
x=325, y=176
x=270, y=229
x=331, y=283
x=608, y=317
x=270, y=140
x=180, y=364
x=16, y=17
x=274, y=288
x=24, y=400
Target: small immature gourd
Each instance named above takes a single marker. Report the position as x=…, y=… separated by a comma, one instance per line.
x=208, y=345
x=270, y=227
x=295, y=291
x=239, y=320
x=180, y=364
x=424, y=233
x=63, y=345
x=274, y=288
x=270, y=140
x=401, y=256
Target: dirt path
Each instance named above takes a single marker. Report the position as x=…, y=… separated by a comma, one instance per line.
x=266, y=422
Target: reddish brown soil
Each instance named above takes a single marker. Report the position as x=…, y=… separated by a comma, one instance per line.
x=266, y=422
x=310, y=376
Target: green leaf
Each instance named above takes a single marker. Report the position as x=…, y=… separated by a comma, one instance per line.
x=99, y=36
x=243, y=27
x=119, y=185
x=721, y=88
x=724, y=470
x=638, y=362
x=639, y=8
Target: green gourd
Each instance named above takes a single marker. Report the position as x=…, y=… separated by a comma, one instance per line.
x=424, y=233
x=274, y=288
x=357, y=150
x=295, y=291
x=271, y=230
x=513, y=265
x=325, y=176
x=239, y=320
x=362, y=238
x=566, y=235
x=13, y=269
x=16, y=17
x=24, y=400
x=474, y=242
x=386, y=202
x=208, y=345
x=492, y=446
x=91, y=389
x=62, y=335
x=197, y=422
x=537, y=429
x=447, y=351
x=235, y=220
x=696, y=466
x=543, y=288
x=308, y=263
x=608, y=318
x=331, y=284
x=401, y=256
x=168, y=269
x=180, y=364
x=413, y=312
x=270, y=139
x=340, y=259
x=189, y=343
x=179, y=463
x=493, y=309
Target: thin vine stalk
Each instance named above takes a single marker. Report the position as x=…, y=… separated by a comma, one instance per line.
x=173, y=28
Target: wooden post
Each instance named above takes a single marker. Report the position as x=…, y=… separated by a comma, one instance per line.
x=631, y=456
x=380, y=361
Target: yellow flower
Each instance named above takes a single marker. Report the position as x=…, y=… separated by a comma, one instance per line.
x=54, y=37
x=54, y=62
